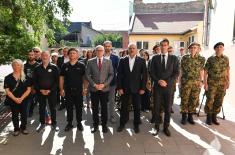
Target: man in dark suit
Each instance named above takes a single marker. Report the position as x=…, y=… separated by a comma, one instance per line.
x=99, y=73
x=131, y=82
x=164, y=70
x=112, y=90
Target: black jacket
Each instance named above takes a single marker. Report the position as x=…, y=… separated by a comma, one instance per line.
x=132, y=81
x=169, y=75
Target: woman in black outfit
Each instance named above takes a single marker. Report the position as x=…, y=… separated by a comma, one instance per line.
x=17, y=89
x=145, y=98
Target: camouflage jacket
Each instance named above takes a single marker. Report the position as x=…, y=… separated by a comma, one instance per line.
x=191, y=67
x=216, y=67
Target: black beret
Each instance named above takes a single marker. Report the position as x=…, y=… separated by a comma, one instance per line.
x=217, y=44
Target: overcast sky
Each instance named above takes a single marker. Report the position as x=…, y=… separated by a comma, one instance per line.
x=105, y=14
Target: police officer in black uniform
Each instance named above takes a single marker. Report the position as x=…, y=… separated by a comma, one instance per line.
x=46, y=79
x=73, y=86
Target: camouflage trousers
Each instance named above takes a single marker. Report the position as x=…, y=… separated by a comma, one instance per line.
x=190, y=91
x=215, y=96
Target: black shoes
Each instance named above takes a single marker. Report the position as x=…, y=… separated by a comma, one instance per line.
x=120, y=128
x=55, y=127
x=156, y=130
x=214, y=119
x=136, y=129
x=209, y=119
x=190, y=119
x=184, y=117
x=68, y=127
x=104, y=129
x=80, y=127
x=167, y=132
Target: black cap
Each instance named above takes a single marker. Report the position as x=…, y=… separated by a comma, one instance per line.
x=217, y=44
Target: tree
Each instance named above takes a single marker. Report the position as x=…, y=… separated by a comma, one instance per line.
x=24, y=22
x=115, y=38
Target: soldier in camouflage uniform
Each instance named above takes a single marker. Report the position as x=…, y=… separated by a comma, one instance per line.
x=217, y=79
x=191, y=80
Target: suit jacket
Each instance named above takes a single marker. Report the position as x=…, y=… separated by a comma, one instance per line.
x=115, y=61
x=169, y=75
x=94, y=76
x=132, y=81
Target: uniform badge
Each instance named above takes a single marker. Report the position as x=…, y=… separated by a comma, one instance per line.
x=49, y=70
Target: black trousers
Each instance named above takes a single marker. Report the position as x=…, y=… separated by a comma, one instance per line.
x=145, y=100
x=32, y=102
x=52, y=100
x=124, y=113
x=19, y=109
x=101, y=98
x=163, y=97
x=74, y=98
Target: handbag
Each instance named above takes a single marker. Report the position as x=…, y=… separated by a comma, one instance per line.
x=7, y=99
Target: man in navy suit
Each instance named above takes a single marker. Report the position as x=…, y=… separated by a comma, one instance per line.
x=164, y=70
x=112, y=90
x=131, y=82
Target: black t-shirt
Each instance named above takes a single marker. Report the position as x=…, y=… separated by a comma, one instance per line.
x=46, y=78
x=29, y=69
x=73, y=75
x=10, y=82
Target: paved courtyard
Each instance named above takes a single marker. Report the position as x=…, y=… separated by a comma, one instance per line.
x=198, y=139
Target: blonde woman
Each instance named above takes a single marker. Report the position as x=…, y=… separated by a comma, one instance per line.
x=17, y=89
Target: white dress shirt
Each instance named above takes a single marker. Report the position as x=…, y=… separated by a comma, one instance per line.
x=107, y=56
x=166, y=57
x=131, y=62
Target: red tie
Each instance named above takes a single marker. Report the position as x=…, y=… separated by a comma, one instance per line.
x=100, y=64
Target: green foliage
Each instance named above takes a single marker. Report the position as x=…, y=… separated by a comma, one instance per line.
x=24, y=22
x=115, y=38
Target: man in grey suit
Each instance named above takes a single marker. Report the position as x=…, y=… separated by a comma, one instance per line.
x=99, y=73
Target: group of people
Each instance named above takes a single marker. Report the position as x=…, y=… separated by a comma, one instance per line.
x=100, y=75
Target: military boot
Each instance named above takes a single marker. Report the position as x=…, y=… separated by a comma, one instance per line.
x=184, y=117
x=208, y=119
x=214, y=119
x=190, y=118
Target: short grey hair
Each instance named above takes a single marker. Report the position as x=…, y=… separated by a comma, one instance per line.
x=48, y=52
x=107, y=42
x=99, y=46
x=130, y=44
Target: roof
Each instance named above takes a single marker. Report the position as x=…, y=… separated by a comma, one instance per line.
x=77, y=26
x=192, y=6
x=175, y=23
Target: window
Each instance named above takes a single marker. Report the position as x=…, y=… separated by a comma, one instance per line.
x=139, y=44
x=192, y=39
x=142, y=44
x=145, y=45
x=181, y=44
